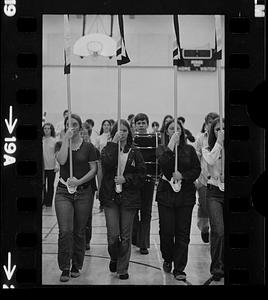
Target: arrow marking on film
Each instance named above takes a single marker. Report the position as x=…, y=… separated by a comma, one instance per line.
x=7, y=287
x=10, y=124
x=9, y=272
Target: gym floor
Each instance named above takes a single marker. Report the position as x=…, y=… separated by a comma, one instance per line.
x=143, y=269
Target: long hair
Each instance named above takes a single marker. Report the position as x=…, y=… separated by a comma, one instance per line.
x=203, y=128
x=101, y=130
x=73, y=116
x=162, y=129
x=182, y=137
x=52, y=129
x=155, y=123
x=125, y=123
x=211, y=136
x=211, y=116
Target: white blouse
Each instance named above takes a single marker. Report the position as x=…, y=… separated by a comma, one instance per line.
x=215, y=166
x=101, y=140
x=123, y=161
x=200, y=143
x=49, y=153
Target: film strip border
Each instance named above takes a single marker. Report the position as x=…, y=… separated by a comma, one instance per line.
x=21, y=112
x=21, y=180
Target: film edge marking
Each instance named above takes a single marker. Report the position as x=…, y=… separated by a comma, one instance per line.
x=9, y=146
x=10, y=8
x=9, y=271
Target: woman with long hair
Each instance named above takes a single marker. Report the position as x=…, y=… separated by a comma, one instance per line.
x=164, y=135
x=175, y=207
x=201, y=182
x=105, y=135
x=213, y=155
x=50, y=164
x=72, y=208
x=120, y=208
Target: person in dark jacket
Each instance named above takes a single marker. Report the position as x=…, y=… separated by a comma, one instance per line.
x=120, y=208
x=175, y=208
x=188, y=134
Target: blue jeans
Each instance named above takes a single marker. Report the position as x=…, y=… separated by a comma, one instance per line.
x=202, y=213
x=89, y=221
x=215, y=200
x=174, y=231
x=49, y=188
x=119, y=221
x=142, y=226
x=72, y=212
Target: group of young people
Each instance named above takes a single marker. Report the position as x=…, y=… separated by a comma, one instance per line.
x=116, y=170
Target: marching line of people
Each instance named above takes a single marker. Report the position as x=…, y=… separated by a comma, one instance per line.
x=146, y=160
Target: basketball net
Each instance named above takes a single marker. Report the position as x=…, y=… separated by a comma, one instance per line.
x=94, y=48
x=95, y=53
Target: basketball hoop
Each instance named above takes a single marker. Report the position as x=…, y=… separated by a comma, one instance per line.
x=95, y=44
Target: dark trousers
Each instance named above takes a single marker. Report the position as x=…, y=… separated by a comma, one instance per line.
x=119, y=221
x=174, y=231
x=49, y=178
x=72, y=212
x=215, y=200
x=202, y=211
x=89, y=221
x=142, y=220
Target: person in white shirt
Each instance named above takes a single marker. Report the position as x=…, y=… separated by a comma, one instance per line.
x=59, y=127
x=93, y=134
x=105, y=135
x=201, y=182
x=44, y=118
x=50, y=164
x=214, y=157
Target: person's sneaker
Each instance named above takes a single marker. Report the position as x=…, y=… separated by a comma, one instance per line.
x=124, y=276
x=112, y=265
x=144, y=251
x=205, y=237
x=180, y=276
x=87, y=246
x=167, y=266
x=65, y=276
x=217, y=277
x=75, y=272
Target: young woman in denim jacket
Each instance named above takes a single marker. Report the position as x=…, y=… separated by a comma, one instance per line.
x=120, y=208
